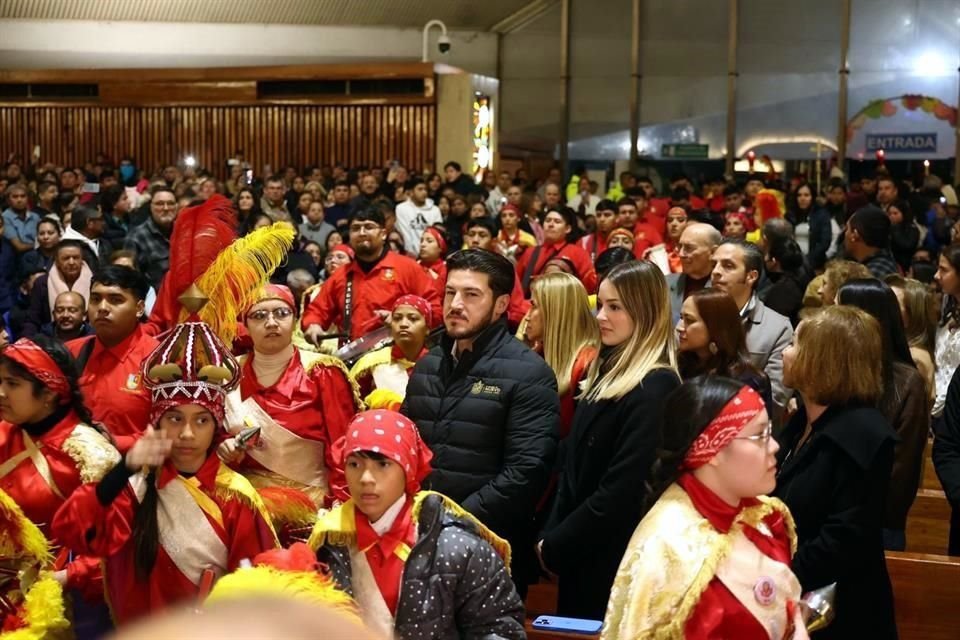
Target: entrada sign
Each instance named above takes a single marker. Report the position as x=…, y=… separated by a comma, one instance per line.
x=902, y=142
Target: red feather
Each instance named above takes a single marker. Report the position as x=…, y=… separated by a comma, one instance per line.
x=199, y=235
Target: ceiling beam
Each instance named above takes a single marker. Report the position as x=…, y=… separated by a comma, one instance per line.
x=523, y=16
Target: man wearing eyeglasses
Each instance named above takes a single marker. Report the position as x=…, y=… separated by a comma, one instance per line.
x=151, y=240
x=358, y=297
x=302, y=402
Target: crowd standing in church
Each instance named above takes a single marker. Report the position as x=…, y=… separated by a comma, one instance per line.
x=454, y=389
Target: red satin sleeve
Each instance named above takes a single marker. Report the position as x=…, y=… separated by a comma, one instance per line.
x=336, y=396
x=247, y=533
x=89, y=528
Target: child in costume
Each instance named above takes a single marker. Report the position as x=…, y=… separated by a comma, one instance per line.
x=170, y=518
x=711, y=559
x=417, y=565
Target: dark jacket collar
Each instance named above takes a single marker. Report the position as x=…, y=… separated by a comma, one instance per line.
x=859, y=430
x=488, y=337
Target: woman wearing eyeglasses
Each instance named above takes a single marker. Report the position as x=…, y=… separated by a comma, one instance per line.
x=836, y=458
x=711, y=559
x=302, y=402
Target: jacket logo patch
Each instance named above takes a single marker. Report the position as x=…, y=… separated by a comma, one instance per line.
x=388, y=275
x=133, y=381
x=479, y=389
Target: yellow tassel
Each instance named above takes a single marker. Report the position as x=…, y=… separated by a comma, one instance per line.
x=235, y=278
x=43, y=612
x=18, y=535
x=501, y=546
x=309, y=587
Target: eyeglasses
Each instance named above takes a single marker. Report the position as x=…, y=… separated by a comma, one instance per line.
x=761, y=437
x=370, y=227
x=279, y=314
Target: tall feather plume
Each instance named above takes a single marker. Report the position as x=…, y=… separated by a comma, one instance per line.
x=233, y=281
x=199, y=234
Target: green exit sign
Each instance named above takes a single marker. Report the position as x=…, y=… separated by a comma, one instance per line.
x=685, y=151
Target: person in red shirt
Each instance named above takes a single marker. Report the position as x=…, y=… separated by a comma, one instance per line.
x=301, y=400
x=109, y=361
x=359, y=296
x=606, y=218
x=433, y=250
x=170, y=518
x=654, y=216
x=556, y=228
x=677, y=220
x=481, y=234
x=644, y=233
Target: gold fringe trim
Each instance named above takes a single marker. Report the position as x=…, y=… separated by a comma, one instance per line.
x=370, y=360
x=43, y=612
x=230, y=485
x=501, y=546
x=92, y=453
x=233, y=282
x=312, y=359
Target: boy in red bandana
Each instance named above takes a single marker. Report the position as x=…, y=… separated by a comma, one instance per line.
x=384, y=542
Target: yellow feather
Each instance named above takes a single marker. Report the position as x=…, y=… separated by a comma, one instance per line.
x=43, y=612
x=18, y=535
x=235, y=278
x=309, y=587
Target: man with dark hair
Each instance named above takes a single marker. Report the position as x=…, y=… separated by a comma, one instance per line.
x=887, y=191
x=339, y=211
x=274, y=201
x=606, y=220
x=482, y=234
x=369, y=191
x=151, y=240
x=69, y=318
x=866, y=239
x=109, y=361
x=87, y=226
x=645, y=235
x=457, y=181
x=359, y=297
x=557, y=225
x=19, y=223
x=737, y=268
x=487, y=407
x=416, y=214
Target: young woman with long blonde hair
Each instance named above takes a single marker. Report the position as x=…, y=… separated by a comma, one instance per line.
x=614, y=438
x=561, y=328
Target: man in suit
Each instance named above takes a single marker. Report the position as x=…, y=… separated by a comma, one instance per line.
x=737, y=269
x=697, y=244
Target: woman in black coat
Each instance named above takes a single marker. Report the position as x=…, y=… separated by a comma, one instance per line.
x=836, y=457
x=613, y=440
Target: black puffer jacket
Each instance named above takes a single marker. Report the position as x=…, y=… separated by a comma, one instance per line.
x=454, y=584
x=492, y=422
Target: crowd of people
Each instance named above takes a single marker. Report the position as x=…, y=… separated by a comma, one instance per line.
x=685, y=406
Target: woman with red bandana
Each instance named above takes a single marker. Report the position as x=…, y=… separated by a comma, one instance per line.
x=417, y=565
x=48, y=447
x=711, y=559
x=300, y=400
x=170, y=518
x=382, y=375
x=433, y=249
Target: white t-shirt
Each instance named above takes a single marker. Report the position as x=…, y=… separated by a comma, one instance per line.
x=413, y=220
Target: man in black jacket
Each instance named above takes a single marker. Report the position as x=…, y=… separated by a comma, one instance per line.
x=487, y=407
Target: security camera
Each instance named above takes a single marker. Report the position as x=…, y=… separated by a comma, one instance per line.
x=443, y=43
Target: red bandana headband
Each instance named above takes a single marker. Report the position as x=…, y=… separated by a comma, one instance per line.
x=620, y=231
x=391, y=434
x=345, y=248
x=39, y=364
x=276, y=292
x=439, y=238
x=418, y=303
x=735, y=415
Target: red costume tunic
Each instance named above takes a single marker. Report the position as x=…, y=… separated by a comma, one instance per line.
x=594, y=244
x=392, y=277
x=719, y=615
x=41, y=465
x=107, y=531
x=315, y=402
x=547, y=252
x=112, y=386
x=437, y=271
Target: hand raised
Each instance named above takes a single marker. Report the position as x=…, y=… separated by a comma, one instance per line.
x=150, y=450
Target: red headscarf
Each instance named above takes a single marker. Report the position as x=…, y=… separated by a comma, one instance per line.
x=418, y=303
x=345, y=248
x=733, y=417
x=392, y=435
x=275, y=292
x=39, y=364
x=439, y=238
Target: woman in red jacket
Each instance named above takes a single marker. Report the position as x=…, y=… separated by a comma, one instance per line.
x=171, y=518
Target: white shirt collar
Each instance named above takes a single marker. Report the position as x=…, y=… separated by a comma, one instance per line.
x=389, y=516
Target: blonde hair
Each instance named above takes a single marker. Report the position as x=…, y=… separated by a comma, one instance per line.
x=568, y=323
x=922, y=316
x=838, y=272
x=827, y=369
x=642, y=290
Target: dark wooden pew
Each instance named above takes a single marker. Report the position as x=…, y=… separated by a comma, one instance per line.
x=926, y=592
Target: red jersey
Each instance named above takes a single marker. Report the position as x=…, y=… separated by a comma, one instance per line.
x=390, y=278
x=40, y=471
x=547, y=252
x=112, y=387
x=438, y=274
x=594, y=244
x=217, y=529
x=645, y=236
